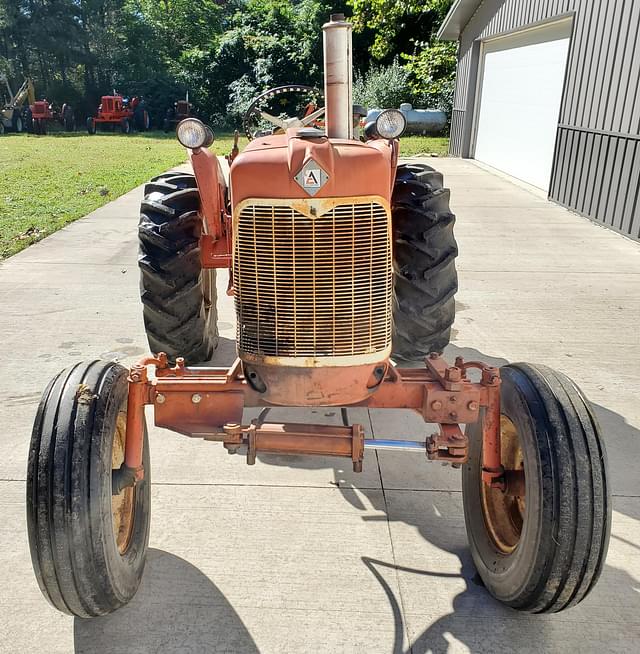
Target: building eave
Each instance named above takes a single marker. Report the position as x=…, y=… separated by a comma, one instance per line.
x=456, y=20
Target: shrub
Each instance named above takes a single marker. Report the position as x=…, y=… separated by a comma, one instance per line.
x=382, y=87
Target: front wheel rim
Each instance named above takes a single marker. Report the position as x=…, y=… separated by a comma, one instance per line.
x=504, y=514
x=123, y=504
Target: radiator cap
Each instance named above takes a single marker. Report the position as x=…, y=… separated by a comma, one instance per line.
x=310, y=133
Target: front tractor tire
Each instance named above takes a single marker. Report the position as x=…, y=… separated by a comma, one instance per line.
x=541, y=551
x=425, y=278
x=88, y=547
x=178, y=295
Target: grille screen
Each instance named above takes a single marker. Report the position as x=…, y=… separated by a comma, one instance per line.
x=313, y=287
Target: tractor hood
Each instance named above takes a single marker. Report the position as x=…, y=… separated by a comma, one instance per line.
x=293, y=165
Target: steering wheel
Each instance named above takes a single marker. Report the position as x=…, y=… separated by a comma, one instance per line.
x=256, y=113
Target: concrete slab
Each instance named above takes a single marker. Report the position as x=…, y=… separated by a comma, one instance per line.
x=302, y=555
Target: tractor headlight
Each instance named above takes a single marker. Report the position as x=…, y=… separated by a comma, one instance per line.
x=390, y=124
x=193, y=133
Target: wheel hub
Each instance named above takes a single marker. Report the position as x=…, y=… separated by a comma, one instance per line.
x=504, y=513
x=122, y=505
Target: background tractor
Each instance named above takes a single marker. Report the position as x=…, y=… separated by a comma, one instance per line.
x=41, y=113
x=11, y=111
x=342, y=265
x=115, y=111
x=181, y=109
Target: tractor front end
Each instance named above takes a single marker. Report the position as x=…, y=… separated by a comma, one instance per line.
x=312, y=266
x=341, y=263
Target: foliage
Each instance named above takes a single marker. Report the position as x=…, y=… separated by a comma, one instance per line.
x=220, y=52
x=397, y=24
x=383, y=87
x=407, y=29
x=432, y=73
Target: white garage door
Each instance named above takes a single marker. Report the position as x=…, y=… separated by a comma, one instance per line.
x=520, y=95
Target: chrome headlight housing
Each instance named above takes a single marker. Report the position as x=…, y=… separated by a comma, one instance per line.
x=390, y=124
x=193, y=134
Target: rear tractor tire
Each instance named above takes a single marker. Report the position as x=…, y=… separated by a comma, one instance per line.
x=541, y=547
x=178, y=295
x=425, y=278
x=88, y=547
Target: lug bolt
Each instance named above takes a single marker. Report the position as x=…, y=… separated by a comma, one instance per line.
x=436, y=405
x=196, y=398
x=472, y=406
x=160, y=398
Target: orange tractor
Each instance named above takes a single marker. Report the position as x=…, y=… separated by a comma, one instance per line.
x=342, y=267
x=115, y=111
x=41, y=113
x=181, y=109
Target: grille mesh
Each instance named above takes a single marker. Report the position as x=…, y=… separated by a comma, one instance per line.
x=316, y=287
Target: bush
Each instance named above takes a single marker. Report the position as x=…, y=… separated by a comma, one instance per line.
x=241, y=93
x=382, y=87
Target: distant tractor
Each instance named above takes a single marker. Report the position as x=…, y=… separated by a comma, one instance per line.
x=41, y=112
x=181, y=109
x=115, y=111
x=11, y=109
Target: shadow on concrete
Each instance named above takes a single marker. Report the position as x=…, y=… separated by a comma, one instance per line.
x=472, y=620
x=225, y=354
x=176, y=609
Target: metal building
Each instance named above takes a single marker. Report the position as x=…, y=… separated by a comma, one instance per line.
x=548, y=92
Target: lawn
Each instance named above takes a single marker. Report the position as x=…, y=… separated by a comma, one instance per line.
x=47, y=182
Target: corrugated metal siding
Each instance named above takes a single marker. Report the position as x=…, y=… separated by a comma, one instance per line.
x=597, y=159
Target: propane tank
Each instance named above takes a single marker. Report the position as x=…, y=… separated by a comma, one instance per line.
x=338, y=82
x=419, y=121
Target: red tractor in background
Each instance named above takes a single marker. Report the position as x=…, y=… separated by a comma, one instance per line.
x=115, y=110
x=181, y=109
x=41, y=112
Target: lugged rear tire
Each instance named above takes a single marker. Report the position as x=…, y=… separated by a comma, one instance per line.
x=88, y=547
x=425, y=278
x=541, y=552
x=178, y=296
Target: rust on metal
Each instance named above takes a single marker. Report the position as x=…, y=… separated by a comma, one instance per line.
x=503, y=499
x=492, y=470
x=449, y=444
x=209, y=402
x=138, y=396
x=122, y=503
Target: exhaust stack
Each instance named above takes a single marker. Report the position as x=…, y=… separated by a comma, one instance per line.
x=338, y=78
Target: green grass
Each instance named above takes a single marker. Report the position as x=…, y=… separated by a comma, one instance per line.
x=427, y=145
x=47, y=182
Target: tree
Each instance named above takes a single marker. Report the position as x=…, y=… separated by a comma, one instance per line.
x=407, y=29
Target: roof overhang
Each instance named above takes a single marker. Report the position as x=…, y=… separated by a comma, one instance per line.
x=456, y=20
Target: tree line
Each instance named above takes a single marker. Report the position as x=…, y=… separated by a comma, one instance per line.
x=221, y=52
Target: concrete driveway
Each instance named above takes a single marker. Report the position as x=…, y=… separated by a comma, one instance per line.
x=302, y=555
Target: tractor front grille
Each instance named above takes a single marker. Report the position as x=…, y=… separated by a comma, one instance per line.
x=313, y=286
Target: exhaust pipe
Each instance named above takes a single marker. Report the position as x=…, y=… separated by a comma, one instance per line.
x=338, y=78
